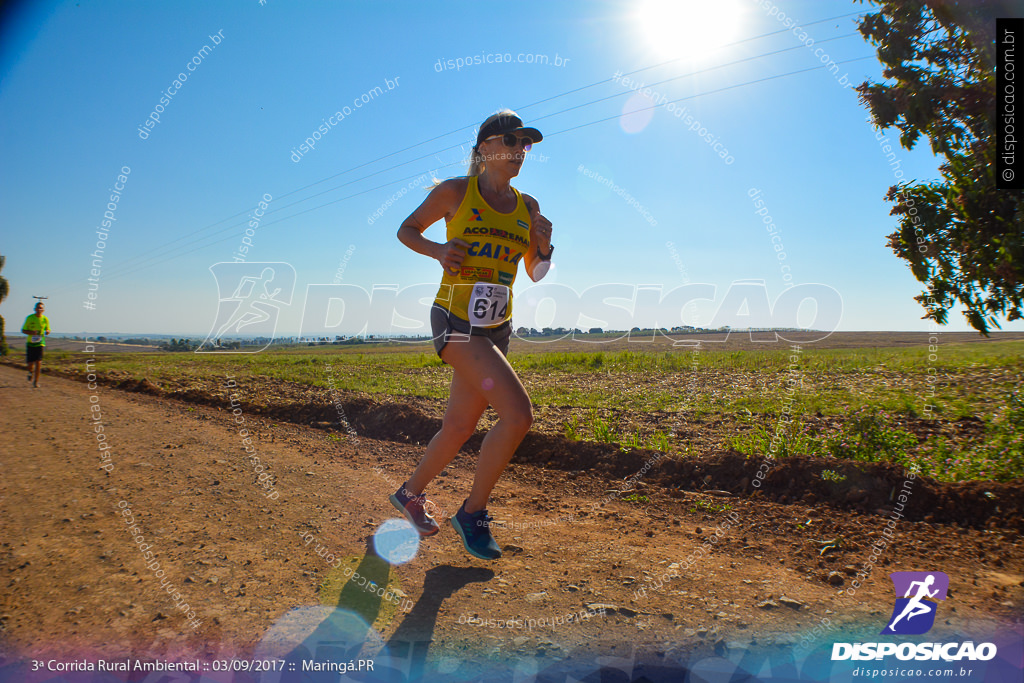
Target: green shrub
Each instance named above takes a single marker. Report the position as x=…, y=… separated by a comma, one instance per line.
x=632, y=441
x=999, y=456
x=659, y=442
x=572, y=429
x=603, y=432
x=867, y=436
x=788, y=438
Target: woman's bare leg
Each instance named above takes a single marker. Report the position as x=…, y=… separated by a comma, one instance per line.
x=482, y=366
x=465, y=406
x=482, y=376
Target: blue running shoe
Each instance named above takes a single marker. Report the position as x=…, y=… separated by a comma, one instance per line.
x=475, y=531
x=412, y=508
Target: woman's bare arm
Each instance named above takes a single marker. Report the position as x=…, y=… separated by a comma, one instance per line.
x=442, y=202
x=540, y=236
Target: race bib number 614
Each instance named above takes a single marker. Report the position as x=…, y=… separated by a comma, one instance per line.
x=488, y=306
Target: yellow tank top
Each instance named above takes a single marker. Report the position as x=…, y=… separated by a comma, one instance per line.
x=497, y=242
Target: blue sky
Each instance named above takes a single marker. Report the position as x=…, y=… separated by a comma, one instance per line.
x=80, y=79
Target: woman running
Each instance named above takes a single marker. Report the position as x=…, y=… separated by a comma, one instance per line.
x=491, y=227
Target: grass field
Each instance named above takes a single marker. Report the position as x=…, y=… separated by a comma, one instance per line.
x=955, y=412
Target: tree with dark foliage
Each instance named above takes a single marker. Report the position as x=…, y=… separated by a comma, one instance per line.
x=5, y=289
x=962, y=237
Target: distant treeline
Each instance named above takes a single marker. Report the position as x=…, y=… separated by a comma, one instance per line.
x=185, y=344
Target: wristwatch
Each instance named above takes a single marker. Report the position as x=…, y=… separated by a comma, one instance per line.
x=546, y=257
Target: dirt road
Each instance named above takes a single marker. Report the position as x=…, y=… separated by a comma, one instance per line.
x=265, y=566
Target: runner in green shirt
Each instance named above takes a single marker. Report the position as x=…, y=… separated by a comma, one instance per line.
x=36, y=327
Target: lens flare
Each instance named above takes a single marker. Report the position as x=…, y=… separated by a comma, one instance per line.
x=396, y=541
x=636, y=113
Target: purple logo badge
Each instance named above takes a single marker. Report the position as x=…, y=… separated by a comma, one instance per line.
x=914, y=612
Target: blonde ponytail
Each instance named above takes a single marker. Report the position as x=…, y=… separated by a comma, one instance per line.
x=476, y=162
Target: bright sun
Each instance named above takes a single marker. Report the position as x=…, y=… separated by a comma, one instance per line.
x=691, y=29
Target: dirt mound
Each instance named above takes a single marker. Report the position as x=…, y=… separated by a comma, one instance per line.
x=142, y=386
x=866, y=487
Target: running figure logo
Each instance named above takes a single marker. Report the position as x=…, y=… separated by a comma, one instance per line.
x=914, y=613
x=250, y=298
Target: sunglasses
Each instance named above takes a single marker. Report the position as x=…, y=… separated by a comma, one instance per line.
x=512, y=140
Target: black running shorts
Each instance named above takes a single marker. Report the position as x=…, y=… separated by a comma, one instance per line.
x=33, y=353
x=447, y=327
